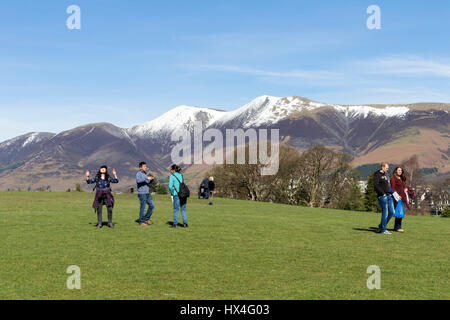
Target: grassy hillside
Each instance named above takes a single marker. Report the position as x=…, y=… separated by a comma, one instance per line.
x=232, y=250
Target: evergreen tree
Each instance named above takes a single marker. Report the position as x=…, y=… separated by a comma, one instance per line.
x=370, y=197
x=162, y=189
x=356, y=198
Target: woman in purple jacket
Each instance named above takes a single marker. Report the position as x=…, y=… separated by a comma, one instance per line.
x=103, y=195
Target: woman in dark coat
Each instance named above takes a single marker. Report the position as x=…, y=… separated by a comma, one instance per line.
x=103, y=195
x=398, y=183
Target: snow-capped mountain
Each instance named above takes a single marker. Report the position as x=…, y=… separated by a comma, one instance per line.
x=12, y=150
x=269, y=110
x=262, y=111
x=370, y=133
x=179, y=117
x=25, y=140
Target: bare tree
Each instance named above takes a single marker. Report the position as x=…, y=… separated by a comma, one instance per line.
x=413, y=173
x=414, y=177
x=326, y=175
x=318, y=178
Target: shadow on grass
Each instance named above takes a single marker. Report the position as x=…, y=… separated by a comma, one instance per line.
x=137, y=221
x=370, y=229
x=170, y=223
x=104, y=223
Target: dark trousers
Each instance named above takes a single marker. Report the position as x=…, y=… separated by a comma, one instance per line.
x=398, y=223
x=99, y=214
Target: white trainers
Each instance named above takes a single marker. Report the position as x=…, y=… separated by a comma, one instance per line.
x=386, y=232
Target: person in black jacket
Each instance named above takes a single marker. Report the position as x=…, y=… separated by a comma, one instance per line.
x=382, y=187
x=211, y=187
x=204, y=189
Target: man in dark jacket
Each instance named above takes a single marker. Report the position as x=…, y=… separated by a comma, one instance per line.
x=211, y=187
x=382, y=187
x=205, y=187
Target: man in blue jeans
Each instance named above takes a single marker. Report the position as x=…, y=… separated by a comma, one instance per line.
x=143, y=182
x=382, y=186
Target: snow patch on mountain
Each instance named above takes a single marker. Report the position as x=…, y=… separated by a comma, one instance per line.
x=266, y=110
x=365, y=111
x=33, y=137
x=25, y=140
x=9, y=142
x=248, y=111
x=281, y=109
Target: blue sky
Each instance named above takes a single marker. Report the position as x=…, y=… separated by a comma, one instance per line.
x=134, y=60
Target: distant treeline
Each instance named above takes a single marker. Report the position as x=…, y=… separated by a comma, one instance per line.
x=12, y=166
x=368, y=169
x=319, y=177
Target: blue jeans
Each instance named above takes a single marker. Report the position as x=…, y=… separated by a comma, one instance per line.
x=145, y=199
x=177, y=202
x=387, y=211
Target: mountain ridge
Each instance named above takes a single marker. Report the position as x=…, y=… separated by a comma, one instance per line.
x=371, y=132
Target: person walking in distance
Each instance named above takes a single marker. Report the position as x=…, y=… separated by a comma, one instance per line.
x=211, y=187
x=143, y=181
x=383, y=189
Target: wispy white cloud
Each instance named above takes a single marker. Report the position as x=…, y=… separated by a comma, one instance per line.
x=299, y=74
x=409, y=65
x=382, y=72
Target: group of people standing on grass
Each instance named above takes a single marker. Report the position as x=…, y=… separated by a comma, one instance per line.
x=393, y=195
x=104, y=196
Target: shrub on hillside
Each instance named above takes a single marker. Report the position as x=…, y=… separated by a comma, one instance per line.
x=161, y=189
x=446, y=212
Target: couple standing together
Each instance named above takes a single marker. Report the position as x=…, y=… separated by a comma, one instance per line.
x=390, y=192
x=143, y=181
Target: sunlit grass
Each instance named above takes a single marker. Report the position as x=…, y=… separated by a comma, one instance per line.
x=232, y=250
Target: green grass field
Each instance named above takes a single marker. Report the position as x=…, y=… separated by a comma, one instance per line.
x=232, y=250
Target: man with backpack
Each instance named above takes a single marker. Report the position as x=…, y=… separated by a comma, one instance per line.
x=180, y=192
